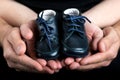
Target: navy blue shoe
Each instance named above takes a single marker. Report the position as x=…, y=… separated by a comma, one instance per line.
x=74, y=42
x=47, y=45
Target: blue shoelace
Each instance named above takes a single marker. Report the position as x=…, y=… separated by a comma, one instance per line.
x=77, y=22
x=46, y=30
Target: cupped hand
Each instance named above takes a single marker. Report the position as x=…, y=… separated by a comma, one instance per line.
x=108, y=50
x=29, y=31
x=14, y=52
x=94, y=34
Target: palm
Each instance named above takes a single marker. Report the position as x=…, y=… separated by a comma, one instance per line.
x=94, y=34
x=50, y=66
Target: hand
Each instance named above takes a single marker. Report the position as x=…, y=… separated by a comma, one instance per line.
x=108, y=49
x=14, y=52
x=29, y=33
x=94, y=35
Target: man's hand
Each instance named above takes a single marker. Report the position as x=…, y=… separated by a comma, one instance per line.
x=29, y=33
x=14, y=52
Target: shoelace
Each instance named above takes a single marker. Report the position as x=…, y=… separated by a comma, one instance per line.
x=46, y=30
x=74, y=26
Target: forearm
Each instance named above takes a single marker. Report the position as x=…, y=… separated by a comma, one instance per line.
x=4, y=28
x=104, y=14
x=15, y=13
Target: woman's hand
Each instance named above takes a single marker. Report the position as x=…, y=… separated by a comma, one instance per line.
x=94, y=34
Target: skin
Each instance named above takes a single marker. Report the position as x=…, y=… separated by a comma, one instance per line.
x=94, y=36
x=14, y=49
x=17, y=48
x=96, y=17
x=108, y=50
x=22, y=17
x=51, y=65
x=25, y=33
x=104, y=14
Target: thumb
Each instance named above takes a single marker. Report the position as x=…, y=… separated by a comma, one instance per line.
x=16, y=42
x=97, y=36
x=29, y=33
x=21, y=48
x=26, y=32
x=106, y=42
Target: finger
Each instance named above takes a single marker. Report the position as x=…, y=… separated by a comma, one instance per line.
x=108, y=40
x=26, y=61
x=42, y=62
x=24, y=68
x=59, y=64
x=94, y=66
x=19, y=67
x=93, y=33
x=29, y=63
x=97, y=36
x=96, y=58
x=69, y=60
x=78, y=59
x=48, y=70
x=90, y=30
x=74, y=65
x=23, y=60
x=52, y=64
x=110, y=54
x=16, y=42
x=26, y=31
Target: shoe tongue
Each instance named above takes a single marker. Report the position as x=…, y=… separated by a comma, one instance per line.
x=72, y=12
x=47, y=14
x=46, y=18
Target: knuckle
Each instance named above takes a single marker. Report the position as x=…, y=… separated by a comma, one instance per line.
x=113, y=56
x=19, y=44
x=10, y=65
x=14, y=31
x=106, y=64
x=6, y=56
